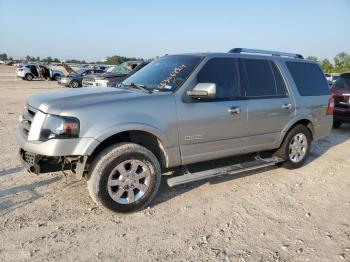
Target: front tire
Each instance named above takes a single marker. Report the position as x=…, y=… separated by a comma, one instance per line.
x=296, y=147
x=56, y=77
x=29, y=77
x=74, y=84
x=124, y=177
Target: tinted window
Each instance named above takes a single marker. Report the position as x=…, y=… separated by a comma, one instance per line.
x=308, y=78
x=261, y=78
x=279, y=82
x=343, y=82
x=222, y=72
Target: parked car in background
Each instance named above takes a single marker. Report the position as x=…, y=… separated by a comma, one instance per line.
x=341, y=94
x=114, y=76
x=31, y=71
x=74, y=79
x=331, y=78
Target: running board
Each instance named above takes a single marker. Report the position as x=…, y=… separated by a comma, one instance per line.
x=188, y=177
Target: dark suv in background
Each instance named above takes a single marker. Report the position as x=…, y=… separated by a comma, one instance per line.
x=341, y=94
x=75, y=78
x=114, y=76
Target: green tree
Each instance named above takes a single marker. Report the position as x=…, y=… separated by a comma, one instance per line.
x=313, y=58
x=49, y=59
x=37, y=59
x=116, y=60
x=327, y=67
x=56, y=60
x=3, y=57
x=28, y=58
x=342, y=62
x=73, y=61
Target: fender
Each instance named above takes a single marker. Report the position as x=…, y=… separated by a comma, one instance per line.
x=133, y=126
x=171, y=152
x=291, y=123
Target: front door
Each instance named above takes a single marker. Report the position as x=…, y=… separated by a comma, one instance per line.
x=216, y=127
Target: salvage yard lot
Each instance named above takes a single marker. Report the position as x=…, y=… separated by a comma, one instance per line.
x=269, y=215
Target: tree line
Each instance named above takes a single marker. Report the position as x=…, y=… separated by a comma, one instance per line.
x=341, y=63
x=111, y=60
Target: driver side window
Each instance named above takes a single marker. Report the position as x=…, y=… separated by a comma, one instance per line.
x=222, y=72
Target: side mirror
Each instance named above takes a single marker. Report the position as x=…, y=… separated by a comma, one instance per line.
x=203, y=91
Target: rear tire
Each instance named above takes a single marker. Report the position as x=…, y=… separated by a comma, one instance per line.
x=28, y=77
x=56, y=77
x=124, y=178
x=336, y=124
x=295, y=147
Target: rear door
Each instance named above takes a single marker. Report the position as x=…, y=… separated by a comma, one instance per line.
x=209, y=129
x=269, y=104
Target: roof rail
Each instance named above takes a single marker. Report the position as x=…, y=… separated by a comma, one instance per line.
x=265, y=52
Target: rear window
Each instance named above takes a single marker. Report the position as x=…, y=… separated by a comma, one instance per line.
x=261, y=78
x=343, y=82
x=308, y=78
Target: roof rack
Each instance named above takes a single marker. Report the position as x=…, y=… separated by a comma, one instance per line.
x=265, y=52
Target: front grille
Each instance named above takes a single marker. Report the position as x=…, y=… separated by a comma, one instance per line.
x=27, y=119
x=29, y=158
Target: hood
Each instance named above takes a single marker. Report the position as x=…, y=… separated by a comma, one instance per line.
x=55, y=102
x=57, y=71
x=104, y=75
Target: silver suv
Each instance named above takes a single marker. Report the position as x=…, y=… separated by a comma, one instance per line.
x=32, y=71
x=176, y=111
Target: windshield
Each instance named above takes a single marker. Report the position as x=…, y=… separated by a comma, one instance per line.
x=122, y=69
x=166, y=73
x=78, y=72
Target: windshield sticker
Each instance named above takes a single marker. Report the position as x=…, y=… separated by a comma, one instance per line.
x=165, y=83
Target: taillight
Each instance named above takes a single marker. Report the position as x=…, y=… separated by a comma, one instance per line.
x=330, y=108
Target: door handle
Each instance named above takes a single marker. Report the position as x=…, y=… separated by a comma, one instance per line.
x=234, y=110
x=287, y=106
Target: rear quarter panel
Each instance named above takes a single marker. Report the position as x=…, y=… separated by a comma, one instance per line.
x=312, y=108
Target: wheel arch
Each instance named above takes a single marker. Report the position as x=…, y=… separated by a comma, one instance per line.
x=141, y=137
x=303, y=121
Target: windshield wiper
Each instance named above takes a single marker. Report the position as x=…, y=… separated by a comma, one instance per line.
x=138, y=86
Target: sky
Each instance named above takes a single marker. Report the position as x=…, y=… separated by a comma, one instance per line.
x=93, y=30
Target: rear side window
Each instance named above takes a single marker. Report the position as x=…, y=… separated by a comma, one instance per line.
x=308, y=78
x=261, y=78
x=222, y=72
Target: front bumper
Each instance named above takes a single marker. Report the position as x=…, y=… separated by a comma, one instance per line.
x=57, y=147
x=38, y=164
x=64, y=81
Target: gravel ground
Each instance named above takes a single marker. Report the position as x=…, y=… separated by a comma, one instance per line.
x=268, y=215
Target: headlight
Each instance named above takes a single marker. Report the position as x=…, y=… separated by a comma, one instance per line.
x=59, y=127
